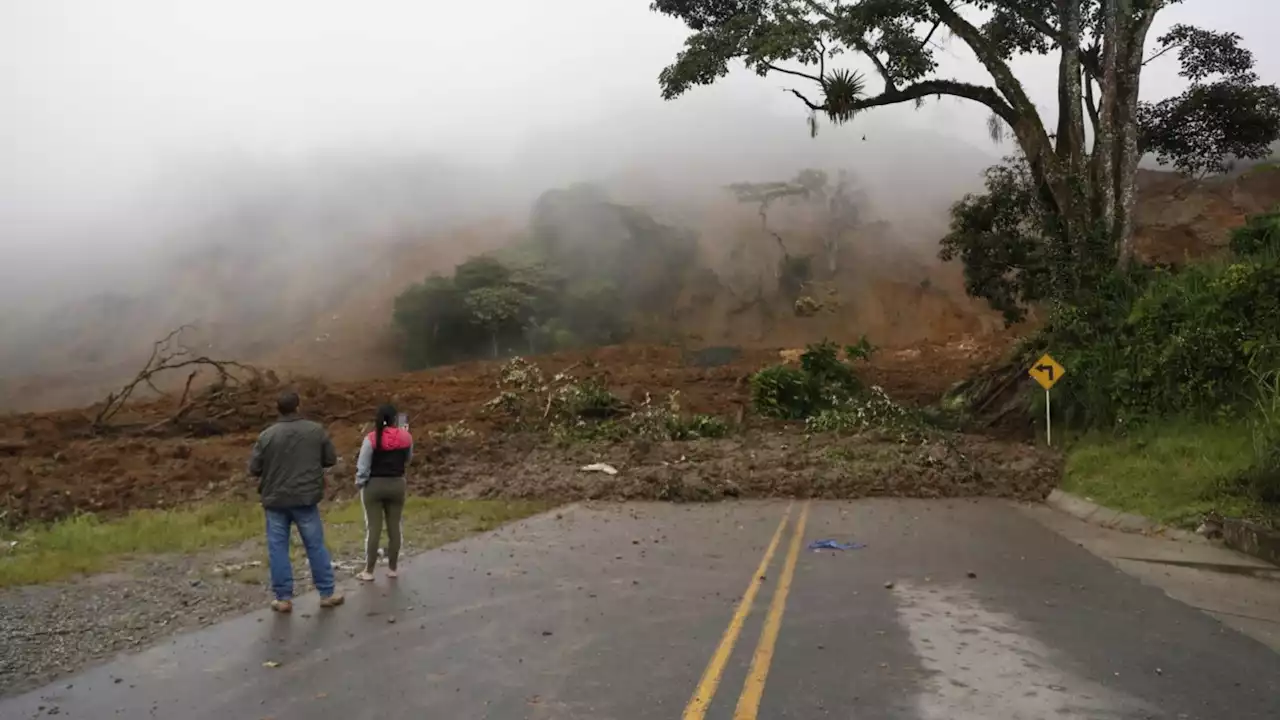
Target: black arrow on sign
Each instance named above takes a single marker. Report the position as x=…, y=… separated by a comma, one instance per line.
x=1047, y=369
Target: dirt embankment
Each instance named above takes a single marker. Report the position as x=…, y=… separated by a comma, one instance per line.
x=1177, y=220
x=53, y=464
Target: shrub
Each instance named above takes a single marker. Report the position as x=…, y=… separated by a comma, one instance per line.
x=822, y=381
x=826, y=393
x=1261, y=481
x=782, y=392
x=1259, y=236
x=1165, y=341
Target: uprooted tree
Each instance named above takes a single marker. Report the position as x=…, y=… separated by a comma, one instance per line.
x=218, y=398
x=1082, y=169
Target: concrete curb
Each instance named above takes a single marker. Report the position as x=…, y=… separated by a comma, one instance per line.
x=1096, y=514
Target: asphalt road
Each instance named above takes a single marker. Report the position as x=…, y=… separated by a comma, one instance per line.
x=952, y=611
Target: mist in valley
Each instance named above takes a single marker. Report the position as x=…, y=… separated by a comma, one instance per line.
x=276, y=174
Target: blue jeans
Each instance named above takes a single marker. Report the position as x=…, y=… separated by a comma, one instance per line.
x=310, y=527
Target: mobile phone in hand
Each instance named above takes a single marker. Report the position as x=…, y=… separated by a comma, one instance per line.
x=402, y=420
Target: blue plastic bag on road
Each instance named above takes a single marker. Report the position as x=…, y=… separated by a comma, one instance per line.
x=834, y=545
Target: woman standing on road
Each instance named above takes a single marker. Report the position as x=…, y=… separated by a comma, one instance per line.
x=380, y=467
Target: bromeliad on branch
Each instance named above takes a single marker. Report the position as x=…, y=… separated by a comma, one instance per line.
x=1084, y=165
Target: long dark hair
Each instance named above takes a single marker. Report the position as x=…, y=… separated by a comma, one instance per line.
x=385, y=418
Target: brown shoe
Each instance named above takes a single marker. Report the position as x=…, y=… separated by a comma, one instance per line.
x=282, y=606
x=333, y=600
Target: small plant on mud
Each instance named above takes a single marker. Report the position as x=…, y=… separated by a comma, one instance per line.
x=873, y=409
x=588, y=399
x=454, y=431
x=701, y=426
x=862, y=350
x=576, y=410
x=664, y=422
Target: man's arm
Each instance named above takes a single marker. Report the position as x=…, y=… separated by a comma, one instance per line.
x=255, y=457
x=328, y=453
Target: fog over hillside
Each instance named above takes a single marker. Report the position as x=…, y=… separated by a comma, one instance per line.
x=231, y=239
x=250, y=167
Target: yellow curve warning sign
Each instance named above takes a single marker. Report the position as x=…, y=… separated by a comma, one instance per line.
x=1046, y=371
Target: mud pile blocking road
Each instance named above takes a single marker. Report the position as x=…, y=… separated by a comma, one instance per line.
x=53, y=464
x=756, y=464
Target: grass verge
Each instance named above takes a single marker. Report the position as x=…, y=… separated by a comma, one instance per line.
x=88, y=544
x=1172, y=473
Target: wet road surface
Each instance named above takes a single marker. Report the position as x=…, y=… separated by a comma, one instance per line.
x=953, y=611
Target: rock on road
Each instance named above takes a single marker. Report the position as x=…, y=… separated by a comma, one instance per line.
x=958, y=610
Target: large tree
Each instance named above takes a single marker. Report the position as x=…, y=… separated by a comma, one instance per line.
x=1083, y=166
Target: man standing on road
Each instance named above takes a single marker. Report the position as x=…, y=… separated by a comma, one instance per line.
x=289, y=460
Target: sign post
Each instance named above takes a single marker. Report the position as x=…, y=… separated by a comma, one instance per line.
x=1047, y=372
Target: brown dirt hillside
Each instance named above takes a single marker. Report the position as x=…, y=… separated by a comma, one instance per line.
x=1179, y=220
x=332, y=318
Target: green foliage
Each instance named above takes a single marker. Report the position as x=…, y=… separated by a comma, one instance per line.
x=1225, y=114
x=701, y=426
x=482, y=308
x=861, y=350
x=586, y=265
x=1167, y=342
x=1013, y=250
x=781, y=391
x=588, y=399
x=822, y=382
x=1261, y=480
x=1258, y=237
x=826, y=393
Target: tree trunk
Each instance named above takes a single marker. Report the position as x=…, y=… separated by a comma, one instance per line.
x=494, y=335
x=1128, y=76
x=1102, y=174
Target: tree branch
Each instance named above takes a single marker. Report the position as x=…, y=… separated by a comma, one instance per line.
x=809, y=103
x=797, y=73
x=1089, y=103
x=1039, y=24
x=1031, y=128
x=929, y=36
x=1162, y=52
x=865, y=48
x=923, y=89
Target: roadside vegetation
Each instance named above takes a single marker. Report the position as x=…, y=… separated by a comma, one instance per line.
x=1177, y=374
x=1187, y=352
x=84, y=544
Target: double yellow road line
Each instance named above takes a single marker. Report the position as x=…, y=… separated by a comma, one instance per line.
x=753, y=688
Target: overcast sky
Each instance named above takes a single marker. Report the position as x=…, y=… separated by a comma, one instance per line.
x=98, y=97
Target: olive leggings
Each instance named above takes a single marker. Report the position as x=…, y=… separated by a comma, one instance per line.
x=382, y=496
